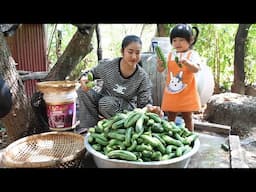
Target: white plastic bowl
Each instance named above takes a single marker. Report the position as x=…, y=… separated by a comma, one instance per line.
x=102, y=161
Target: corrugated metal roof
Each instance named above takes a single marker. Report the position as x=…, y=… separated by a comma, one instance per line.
x=28, y=48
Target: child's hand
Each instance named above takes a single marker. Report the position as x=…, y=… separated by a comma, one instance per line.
x=191, y=66
x=160, y=66
x=159, y=62
x=184, y=62
x=178, y=62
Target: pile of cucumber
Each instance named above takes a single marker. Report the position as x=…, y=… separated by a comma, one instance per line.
x=140, y=136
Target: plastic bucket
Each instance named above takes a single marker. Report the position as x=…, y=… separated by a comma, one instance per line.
x=205, y=82
x=60, y=98
x=163, y=42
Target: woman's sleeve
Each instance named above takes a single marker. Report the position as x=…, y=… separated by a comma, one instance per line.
x=145, y=93
x=93, y=70
x=100, y=69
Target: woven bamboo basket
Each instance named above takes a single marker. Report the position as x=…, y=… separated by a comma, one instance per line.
x=45, y=150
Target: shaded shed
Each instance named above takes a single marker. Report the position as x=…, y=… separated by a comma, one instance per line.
x=28, y=46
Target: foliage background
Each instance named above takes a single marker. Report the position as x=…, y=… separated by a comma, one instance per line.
x=215, y=43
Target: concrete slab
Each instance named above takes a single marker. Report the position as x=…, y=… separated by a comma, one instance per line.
x=210, y=153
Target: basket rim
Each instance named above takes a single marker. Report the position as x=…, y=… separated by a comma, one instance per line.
x=9, y=162
x=57, y=86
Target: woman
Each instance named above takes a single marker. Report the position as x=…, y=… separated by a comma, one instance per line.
x=126, y=86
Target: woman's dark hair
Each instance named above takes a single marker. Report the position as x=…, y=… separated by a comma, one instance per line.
x=184, y=31
x=129, y=39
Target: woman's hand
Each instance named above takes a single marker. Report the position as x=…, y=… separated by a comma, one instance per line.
x=155, y=109
x=83, y=82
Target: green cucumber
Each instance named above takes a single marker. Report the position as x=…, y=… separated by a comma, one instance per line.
x=161, y=56
x=122, y=154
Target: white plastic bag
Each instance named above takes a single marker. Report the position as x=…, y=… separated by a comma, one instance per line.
x=205, y=83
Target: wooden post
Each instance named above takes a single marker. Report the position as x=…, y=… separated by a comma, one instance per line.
x=212, y=127
x=236, y=153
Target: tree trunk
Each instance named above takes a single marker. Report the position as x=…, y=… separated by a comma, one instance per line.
x=162, y=30
x=239, y=75
x=22, y=120
x=18, y=120
x=99, y=47
x=78, y=47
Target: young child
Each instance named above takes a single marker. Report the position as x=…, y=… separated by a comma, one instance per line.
x=180, y=93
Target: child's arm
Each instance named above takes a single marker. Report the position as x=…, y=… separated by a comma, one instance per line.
x=193, y=63
x=193, y=67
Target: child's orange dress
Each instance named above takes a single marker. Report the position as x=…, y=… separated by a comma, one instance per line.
x=180, y=93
